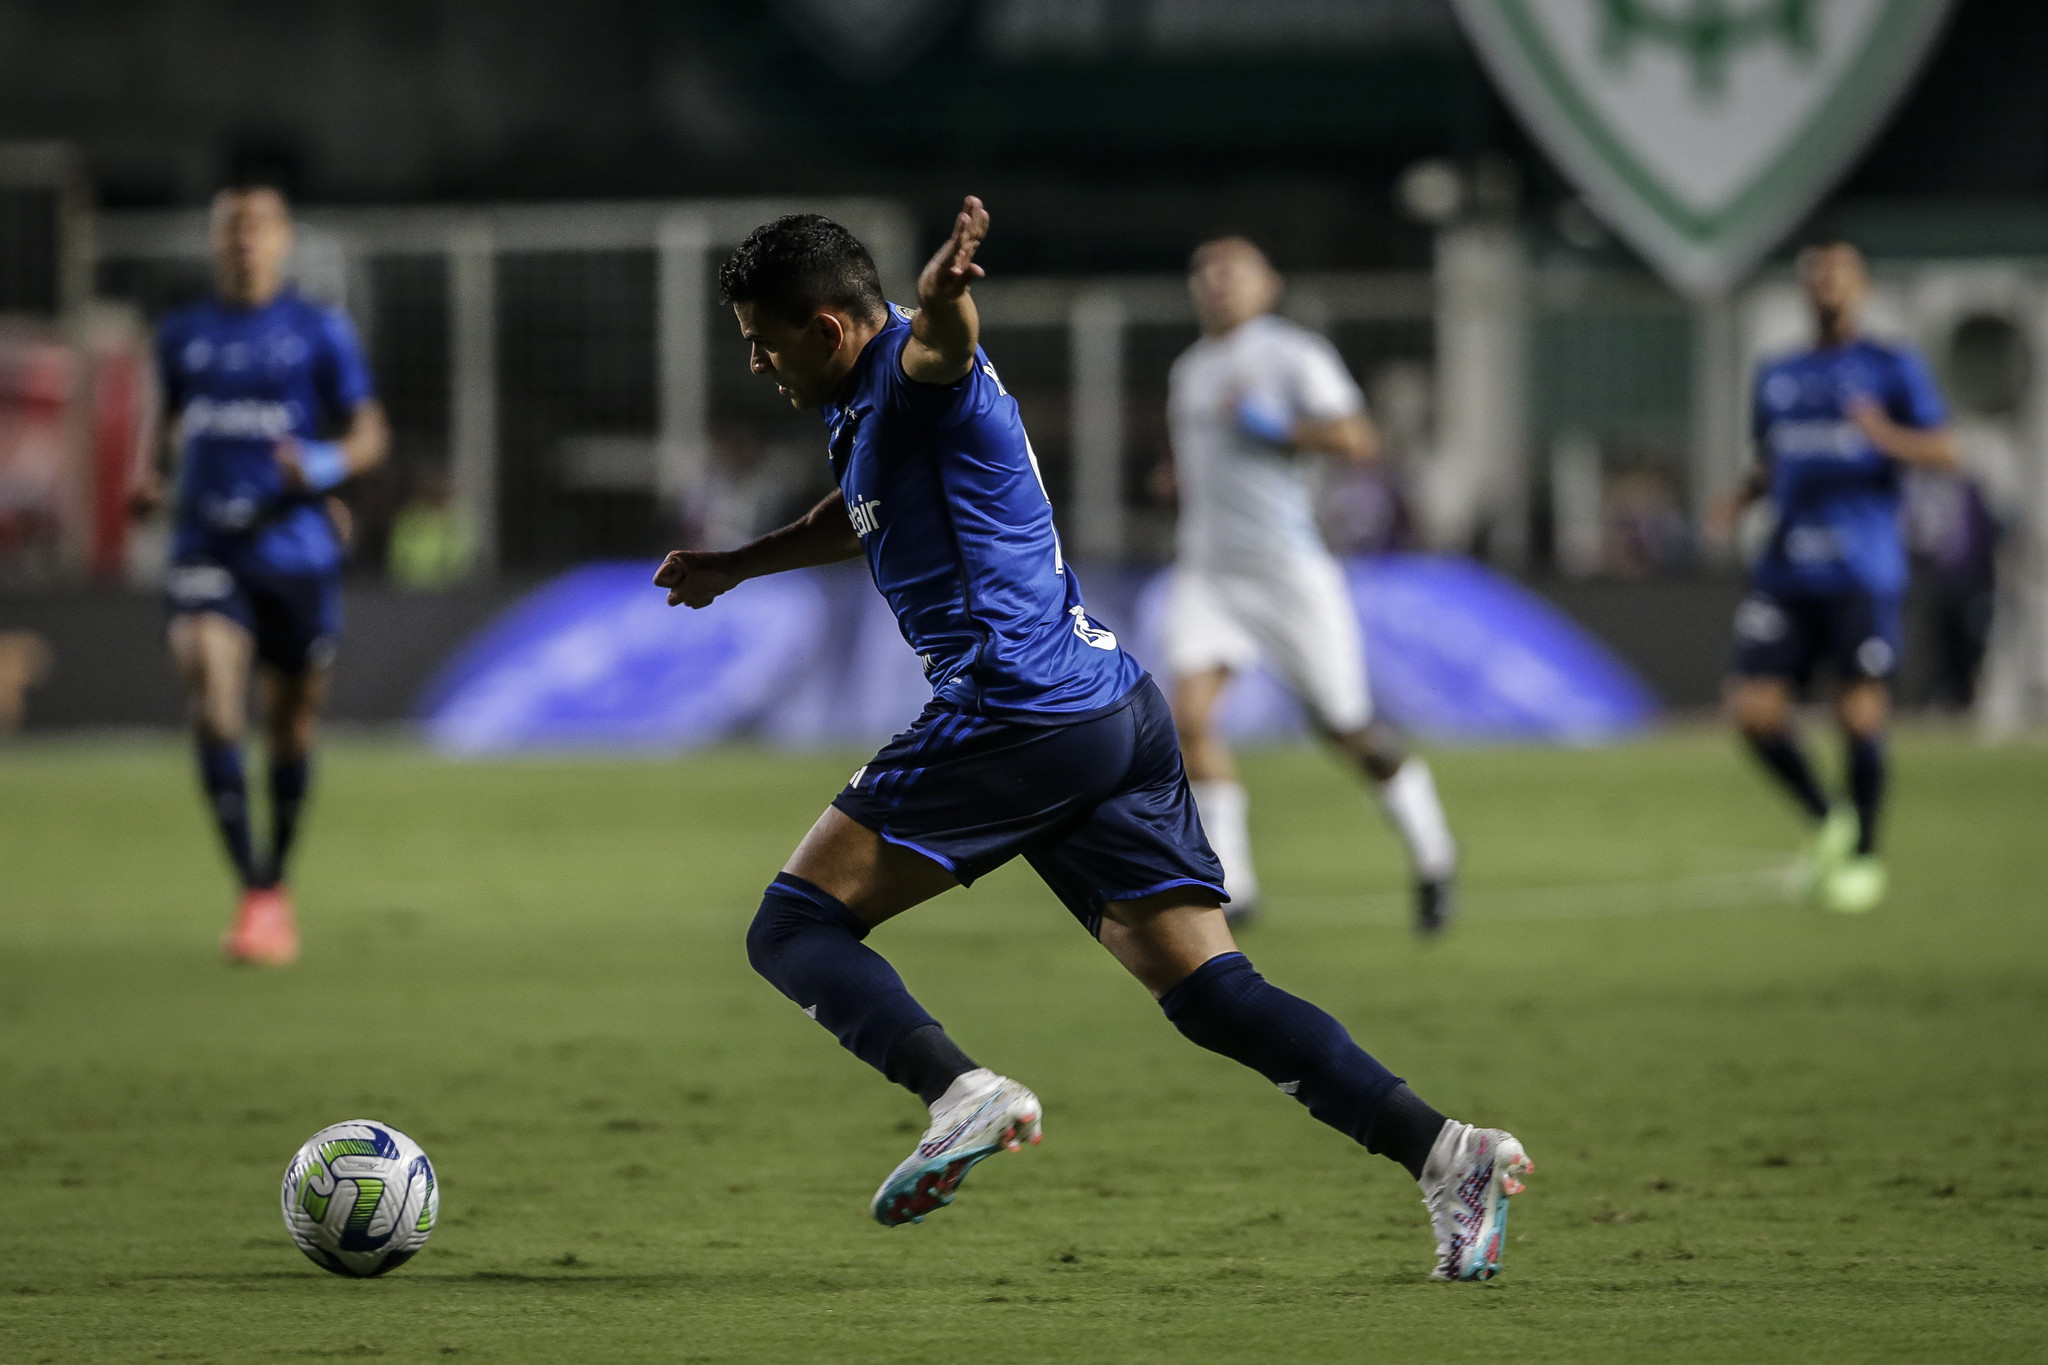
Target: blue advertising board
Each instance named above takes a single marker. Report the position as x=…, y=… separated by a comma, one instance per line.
x=596, y=659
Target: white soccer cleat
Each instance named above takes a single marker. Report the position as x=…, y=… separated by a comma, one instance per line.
x=979, y=1115
x=1465, y=1186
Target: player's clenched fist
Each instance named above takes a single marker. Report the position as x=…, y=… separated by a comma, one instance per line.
x=694, y=578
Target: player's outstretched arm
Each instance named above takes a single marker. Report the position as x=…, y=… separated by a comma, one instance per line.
x=946, y=329
x=1927, y=447
x=823, y=535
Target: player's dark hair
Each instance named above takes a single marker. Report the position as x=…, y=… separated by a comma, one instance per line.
x=800, y=263
x=1229, y=241
x=1826, y=241
x=255, y=184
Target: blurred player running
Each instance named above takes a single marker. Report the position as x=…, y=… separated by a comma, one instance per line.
x=1247, y=403
x=1042, y=740
x=1835, y=427
x=267, y=406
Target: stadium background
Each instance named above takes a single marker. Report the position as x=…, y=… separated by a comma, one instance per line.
x=521, y=204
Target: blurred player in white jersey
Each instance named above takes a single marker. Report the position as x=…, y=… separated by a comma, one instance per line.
x=1250, y=404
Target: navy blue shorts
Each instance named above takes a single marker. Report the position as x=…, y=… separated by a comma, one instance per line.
x=1099, y=807
x=295, y=618
x=1785, y=635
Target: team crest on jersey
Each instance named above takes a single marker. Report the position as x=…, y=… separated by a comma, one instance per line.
x=1703, y=129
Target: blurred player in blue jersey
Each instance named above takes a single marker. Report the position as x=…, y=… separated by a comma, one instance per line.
x=1836, y=428
x=1042, y=740
x=267, y=407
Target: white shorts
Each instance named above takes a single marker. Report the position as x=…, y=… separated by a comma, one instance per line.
x=1297, y=616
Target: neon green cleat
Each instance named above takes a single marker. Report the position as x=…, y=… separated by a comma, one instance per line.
x=1831, y=847
x=1855, y=887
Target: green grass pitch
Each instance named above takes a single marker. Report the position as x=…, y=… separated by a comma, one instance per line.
x=1761, y=1133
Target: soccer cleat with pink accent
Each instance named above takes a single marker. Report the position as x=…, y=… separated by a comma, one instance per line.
x=1465, y=1186
x=980, y=1114
x=266, y=933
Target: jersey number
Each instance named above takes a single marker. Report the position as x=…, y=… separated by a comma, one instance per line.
x=1059, y=562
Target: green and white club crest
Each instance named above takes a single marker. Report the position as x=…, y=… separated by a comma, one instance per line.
x=1703, y=129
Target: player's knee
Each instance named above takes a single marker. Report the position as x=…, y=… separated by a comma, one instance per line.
x=1377, y=748
x=761, y=942
x=791, y=909
x=1759, y=709
x=213, y=729
x=1864, y=711
x=290, y=731
x=216, y=716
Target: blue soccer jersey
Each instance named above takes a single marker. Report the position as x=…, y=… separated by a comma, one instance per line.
x=1837, y=496
x=944, y=491
x=235, y=380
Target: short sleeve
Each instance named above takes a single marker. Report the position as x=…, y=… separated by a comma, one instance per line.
x=1917, y=400
x=341, y=373
x=1323, y=389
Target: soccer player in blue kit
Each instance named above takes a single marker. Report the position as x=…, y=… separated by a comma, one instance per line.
x=1835, y=428
x=1042, y=740
x=268, y=406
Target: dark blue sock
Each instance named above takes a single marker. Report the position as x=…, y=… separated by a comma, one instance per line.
x=1866, y=787
x=1227, y=1007
x=288, y=781
x=227, y=795
x=809, y=947
x=1788, y=763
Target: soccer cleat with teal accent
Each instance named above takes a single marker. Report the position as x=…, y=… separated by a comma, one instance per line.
x=981, y=1114
x=1465, y=1186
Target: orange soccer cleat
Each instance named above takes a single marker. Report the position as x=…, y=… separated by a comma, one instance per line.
x=266, y=933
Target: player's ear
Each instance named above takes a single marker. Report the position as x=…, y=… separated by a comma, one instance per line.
x=831, y=329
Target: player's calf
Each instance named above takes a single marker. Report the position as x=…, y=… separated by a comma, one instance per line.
x=1228, y=1008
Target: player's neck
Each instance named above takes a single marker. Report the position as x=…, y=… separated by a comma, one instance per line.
x=1839, y=332
x=253, y=298
x=858, y=335
x=1223, y=327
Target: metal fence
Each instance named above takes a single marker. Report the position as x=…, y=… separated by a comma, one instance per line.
x=561, y=370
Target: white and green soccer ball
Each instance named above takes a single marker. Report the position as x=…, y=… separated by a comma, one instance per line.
x=360, y=1198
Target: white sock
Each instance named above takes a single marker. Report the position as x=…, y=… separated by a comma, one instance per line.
x=1223, y=807
x=1411, y=803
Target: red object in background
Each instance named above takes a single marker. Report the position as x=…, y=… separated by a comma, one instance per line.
x=117, y=398
x=35, y=382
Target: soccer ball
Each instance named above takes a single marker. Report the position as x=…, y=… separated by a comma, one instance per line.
x=360, y=1198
